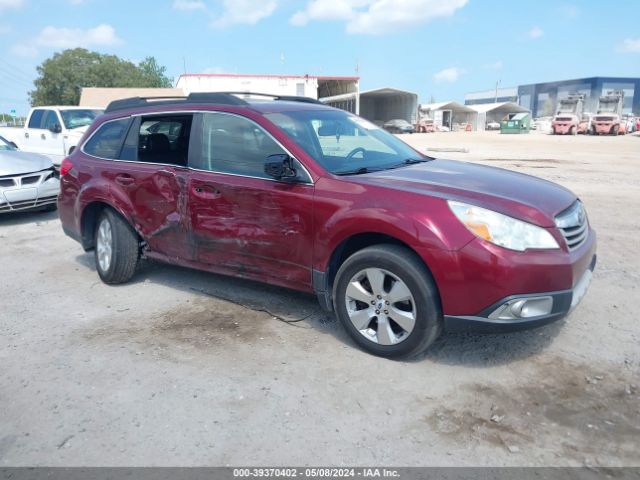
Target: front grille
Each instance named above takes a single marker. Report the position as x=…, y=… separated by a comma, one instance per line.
x=573, y=225
x=30, y=180
x=7, y=182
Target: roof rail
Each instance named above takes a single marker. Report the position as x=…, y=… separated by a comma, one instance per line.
x=284, y=98
x=198, y=97
x=221, y=98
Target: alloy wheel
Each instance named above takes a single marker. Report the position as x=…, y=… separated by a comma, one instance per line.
x=380, y=306
x=104, y=245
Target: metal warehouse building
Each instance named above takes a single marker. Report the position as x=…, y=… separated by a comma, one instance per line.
x=378, y=105
x=542, y=98
x=319, y=88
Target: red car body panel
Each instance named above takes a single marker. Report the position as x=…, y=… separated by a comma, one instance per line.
x=281, y=232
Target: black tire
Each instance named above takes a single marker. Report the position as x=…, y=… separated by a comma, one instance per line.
x=614, y=130
x=409, y=268
x=125, y=249
x=573, y=131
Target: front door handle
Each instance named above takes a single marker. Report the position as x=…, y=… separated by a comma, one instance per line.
x=43, y=136
x=26, y=134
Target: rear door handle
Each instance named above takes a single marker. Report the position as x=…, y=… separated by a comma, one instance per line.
x=125, y=180
x=206, y=191
x=43, y=136
x=26, y=134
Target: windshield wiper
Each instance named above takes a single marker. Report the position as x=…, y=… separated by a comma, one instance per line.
x=409, y=161
x=361, y=170
x=356, y=171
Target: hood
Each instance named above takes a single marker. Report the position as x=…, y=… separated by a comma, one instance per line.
x=515, y=194
x=17, y=163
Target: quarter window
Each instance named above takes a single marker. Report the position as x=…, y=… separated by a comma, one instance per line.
x=236, y=145
x=107, y=141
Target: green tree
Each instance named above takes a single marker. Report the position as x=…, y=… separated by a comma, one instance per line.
x=62, y=77
x=154, y=74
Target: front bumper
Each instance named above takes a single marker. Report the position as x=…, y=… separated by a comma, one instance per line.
x=29, y=197
x=602, y=128
x=563, y=302
x=562, y=129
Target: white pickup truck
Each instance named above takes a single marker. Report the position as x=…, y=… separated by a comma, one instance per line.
x=52, y=131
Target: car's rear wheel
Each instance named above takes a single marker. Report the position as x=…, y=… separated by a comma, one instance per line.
x=386, y=299
x=116, y=248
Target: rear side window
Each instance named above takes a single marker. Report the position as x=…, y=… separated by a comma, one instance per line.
x=233, y=144
x=107, y=141
x=163, y=139
x=35, y=121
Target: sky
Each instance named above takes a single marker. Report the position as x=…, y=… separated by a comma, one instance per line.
x=439, y=49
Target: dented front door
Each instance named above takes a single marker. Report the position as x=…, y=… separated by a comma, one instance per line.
x=251, y=227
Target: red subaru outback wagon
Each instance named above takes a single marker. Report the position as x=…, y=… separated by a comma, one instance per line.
x=297, y=194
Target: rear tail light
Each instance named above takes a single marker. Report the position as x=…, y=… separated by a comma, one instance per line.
x=65, y=166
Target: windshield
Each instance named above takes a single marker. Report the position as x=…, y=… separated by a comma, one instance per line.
x=79, y=118
x=5, y=145
x=343, y=143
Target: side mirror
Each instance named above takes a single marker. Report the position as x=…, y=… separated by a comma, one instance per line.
x=280, y=167
x=55, y=128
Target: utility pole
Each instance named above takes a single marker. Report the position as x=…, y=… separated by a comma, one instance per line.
x=497, y=85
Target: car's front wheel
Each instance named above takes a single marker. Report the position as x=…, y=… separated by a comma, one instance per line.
x=386, y=299
x=116, y=248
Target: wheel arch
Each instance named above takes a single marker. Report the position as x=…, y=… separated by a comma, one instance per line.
x=89, y=218
x=323, y=281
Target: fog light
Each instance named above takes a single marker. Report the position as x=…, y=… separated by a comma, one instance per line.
x=523, y=308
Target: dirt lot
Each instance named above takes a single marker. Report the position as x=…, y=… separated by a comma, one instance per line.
x=162, y=371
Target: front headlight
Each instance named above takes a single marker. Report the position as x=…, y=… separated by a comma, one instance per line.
x=500, y=229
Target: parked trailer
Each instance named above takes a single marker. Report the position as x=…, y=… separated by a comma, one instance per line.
x=570, y=118
x=608, y=120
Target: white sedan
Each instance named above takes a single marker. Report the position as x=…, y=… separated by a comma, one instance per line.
x=28, y=181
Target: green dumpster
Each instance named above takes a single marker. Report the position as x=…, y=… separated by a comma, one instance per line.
x=516, y=123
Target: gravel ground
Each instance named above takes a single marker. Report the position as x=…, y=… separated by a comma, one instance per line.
x=181, y=367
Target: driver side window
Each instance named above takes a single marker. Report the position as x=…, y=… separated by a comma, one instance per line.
x=235, y=145
x=50, y=119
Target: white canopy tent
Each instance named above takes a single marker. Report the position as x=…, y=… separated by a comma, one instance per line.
x=451, y=115
x=494, y=112
x=384, y=104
